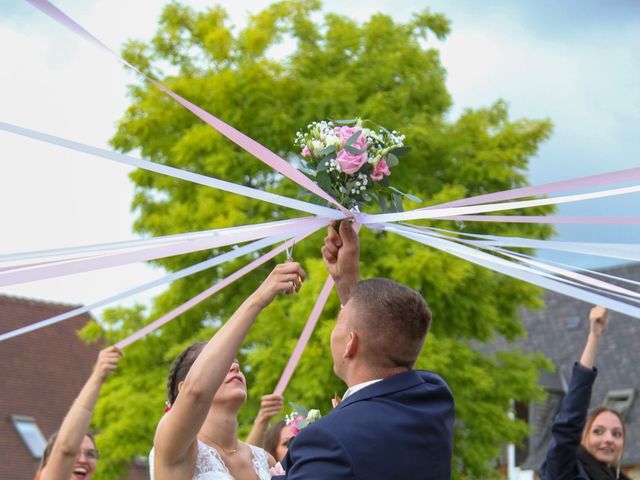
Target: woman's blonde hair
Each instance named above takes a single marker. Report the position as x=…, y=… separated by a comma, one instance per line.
x=591, y=417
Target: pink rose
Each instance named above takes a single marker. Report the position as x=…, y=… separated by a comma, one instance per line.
x=294, y=425
x=277, y=470
x=380, y=169
x=306, y=152
x=351, y=162
x=345, y=133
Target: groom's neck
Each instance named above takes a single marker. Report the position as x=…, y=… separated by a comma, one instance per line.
x=362, y=375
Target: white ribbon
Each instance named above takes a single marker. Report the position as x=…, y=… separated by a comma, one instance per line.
x=513, y=270
x=491, y=207
x=622, y=251
x=177, y=173
x=211, y=239
x=212, y=262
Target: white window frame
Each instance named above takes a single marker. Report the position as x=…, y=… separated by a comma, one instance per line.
x=30, y=433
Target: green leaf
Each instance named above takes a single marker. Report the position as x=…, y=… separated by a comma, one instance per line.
x=323, y=179
x=383, y=203
x=392, y=160
x=346, y=122
x=299, y=409
x=354, y=137
x=397, y=202
x=411, y=197
x=323, y=165
x=399, y=151
x=353, y=150
x=327, y=150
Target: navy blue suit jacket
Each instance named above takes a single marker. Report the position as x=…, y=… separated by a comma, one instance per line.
x=400, y=427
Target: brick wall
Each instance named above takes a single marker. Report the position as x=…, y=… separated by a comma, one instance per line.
x=41, y=373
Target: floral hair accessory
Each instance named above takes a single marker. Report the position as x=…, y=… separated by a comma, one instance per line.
x=352, y=160
x=301, y=418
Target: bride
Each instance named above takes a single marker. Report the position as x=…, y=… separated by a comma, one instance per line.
x=197, y=438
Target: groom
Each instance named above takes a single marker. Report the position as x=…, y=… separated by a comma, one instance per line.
x=393, y=421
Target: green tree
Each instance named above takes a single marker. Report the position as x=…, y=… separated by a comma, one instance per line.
x=337, y=68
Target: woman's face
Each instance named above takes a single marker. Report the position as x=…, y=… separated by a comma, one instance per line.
x=605, y=438
x=234, y=385
x=283, y=442
x=85, y=461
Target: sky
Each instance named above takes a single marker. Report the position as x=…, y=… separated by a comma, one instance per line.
x=574, y=62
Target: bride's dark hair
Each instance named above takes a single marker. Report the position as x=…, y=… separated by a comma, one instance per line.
x=180, y=368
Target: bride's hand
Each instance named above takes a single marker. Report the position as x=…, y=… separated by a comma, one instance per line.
x=285, y=278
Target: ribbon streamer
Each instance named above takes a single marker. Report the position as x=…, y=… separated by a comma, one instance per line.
x=513, y=270
x=555, y=219
x=526, y=259
x=217, y=238
x=243, y=141
x=210, y=291
x=175, y=172
x=620, y=176
x=212, y=262
x=41, y=257
x=621, y=251
x=304, y=337
x=492, y=207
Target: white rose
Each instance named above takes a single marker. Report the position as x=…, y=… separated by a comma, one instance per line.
x=313, y=415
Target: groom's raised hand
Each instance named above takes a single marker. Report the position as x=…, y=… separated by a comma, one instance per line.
x=341, y=255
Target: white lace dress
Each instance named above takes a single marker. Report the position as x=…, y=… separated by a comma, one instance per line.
x=209, y=464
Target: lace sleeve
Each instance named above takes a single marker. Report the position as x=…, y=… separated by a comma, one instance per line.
x=260, y=463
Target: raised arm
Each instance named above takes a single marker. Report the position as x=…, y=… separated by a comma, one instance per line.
x=598, y=320
x=76, y=423
x=561, y=461
x=270, y=406
x=341, y=255
x=175, y=439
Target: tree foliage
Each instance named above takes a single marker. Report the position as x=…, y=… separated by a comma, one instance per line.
x=335, y=67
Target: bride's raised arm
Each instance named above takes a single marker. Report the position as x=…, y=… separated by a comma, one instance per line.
x=175, y=441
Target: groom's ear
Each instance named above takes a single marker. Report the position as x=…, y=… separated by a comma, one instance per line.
x=352, y=346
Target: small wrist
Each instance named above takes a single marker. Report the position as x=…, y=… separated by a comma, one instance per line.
x=262, y=419
x=254, y=302
x=594, y=337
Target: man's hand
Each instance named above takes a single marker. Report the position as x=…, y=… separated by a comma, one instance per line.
x=341, y=255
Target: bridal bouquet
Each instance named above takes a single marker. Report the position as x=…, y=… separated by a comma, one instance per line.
x=352, y=160
x=301, y=418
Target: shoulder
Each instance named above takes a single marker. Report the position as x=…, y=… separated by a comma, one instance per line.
x=318, y=451
x=260, y=454
x=433, y=379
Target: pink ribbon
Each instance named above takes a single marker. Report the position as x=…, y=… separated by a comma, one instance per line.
x=210, y=291
x=304, y=337
x=620, y=176
x=256, y=149
x=560, y=219
x=216, y=238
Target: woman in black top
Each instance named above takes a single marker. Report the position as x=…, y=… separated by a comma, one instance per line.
x=585, y=448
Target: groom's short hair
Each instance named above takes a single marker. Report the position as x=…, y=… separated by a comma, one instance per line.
x=392, y=319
